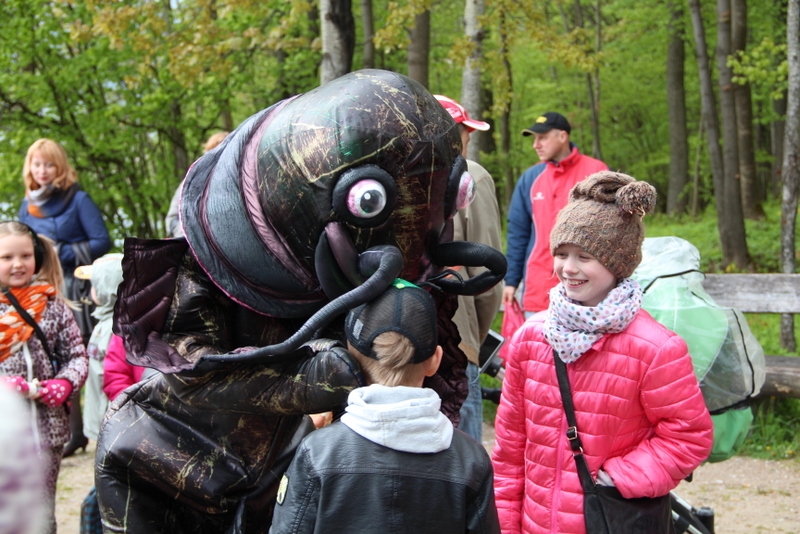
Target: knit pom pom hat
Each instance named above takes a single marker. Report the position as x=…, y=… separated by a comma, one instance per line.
x=604, y=217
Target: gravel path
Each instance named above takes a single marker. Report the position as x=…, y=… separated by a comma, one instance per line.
x=748, y=495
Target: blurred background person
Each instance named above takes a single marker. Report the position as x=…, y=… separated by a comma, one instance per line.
x=480, y=223
x=55, y=206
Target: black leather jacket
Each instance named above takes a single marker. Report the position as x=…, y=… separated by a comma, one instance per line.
x=340, y=482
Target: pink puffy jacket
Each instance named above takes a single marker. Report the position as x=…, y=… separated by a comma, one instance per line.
x=118, y=374
x=640, y=415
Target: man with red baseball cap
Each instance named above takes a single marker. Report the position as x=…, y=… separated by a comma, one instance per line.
x=466, y=124
x=479, y=222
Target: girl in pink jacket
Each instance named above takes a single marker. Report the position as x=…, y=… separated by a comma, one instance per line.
x=641, y=416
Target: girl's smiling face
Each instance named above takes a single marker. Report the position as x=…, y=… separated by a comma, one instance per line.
x=584, y=278
x=17, y=262
x=43, y=170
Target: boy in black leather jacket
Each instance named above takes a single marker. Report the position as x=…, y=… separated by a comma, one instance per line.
x=394, y=462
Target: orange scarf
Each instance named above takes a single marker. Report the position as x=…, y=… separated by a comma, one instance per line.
x=14, y=331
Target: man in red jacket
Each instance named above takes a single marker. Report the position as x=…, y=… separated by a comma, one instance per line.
x=539, y=195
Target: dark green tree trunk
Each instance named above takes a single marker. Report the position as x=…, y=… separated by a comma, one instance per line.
x=751, y=196
x=419, y=48
x=368, y=23
x=676, y=103
x=731, y=231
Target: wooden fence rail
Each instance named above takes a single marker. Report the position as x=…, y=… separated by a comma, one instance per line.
x=763, y=293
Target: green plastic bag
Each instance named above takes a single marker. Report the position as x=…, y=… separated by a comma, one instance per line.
x=728, y=360
x=730, y=430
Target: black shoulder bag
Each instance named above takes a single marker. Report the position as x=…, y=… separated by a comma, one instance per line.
x=36, y=328
x=605, y=510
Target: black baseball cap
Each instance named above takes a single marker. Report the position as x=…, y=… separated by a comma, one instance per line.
x=548, y=121
x=403, y=308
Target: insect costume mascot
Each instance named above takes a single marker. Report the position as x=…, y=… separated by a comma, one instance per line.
x=309, y=208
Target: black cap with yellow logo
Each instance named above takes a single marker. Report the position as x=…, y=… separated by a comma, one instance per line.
x=549, y=121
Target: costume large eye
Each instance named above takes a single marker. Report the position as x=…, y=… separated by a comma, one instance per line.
x=466, y=191
x=365, y=196
x=366, y=199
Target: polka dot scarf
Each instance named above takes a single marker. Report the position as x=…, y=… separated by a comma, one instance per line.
x=572, y=329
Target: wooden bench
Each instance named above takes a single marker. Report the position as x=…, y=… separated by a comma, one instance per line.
x=764, y=293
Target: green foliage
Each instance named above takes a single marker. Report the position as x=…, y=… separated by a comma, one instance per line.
x=767, y=329
x=765, y=64
x=763, y=236
x=701, y=232
x=774, y=434
x=132, y=89
x=400, y=18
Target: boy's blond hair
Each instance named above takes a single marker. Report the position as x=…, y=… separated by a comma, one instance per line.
x=55, y=154
x=393, y=366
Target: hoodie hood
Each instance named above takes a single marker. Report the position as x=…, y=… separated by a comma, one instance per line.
x=401, y=418
x=106, y=276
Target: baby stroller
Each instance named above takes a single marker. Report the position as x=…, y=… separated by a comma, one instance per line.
x=728, y=360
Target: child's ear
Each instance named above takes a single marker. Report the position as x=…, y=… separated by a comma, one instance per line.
x=432, y=363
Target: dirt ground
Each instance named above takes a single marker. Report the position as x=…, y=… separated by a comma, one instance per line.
x=748, y=496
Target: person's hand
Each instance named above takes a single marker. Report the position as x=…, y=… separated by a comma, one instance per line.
x=322, y=419
x=55, y=392
x=604, y=479
x=508, y=295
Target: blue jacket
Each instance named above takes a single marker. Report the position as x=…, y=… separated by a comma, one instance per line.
x=79, y=221
x=521, y=230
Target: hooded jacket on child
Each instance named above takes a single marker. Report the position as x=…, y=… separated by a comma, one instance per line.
x=105, y=274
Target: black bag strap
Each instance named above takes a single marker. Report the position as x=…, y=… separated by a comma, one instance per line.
x=587, y=483
x=36, y=328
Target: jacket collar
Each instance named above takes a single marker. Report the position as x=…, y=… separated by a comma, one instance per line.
x=567, y=162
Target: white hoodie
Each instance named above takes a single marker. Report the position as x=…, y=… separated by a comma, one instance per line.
x=401, y=418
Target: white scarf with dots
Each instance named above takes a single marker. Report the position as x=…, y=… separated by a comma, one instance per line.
x=572, y=329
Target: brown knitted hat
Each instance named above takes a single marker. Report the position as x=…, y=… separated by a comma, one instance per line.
x=604, y=217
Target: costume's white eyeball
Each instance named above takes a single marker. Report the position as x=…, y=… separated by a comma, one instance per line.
x=466, y=191
x=366, y=199
x=365, y=196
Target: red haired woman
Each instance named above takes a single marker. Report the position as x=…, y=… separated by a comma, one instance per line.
x=56, y=207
